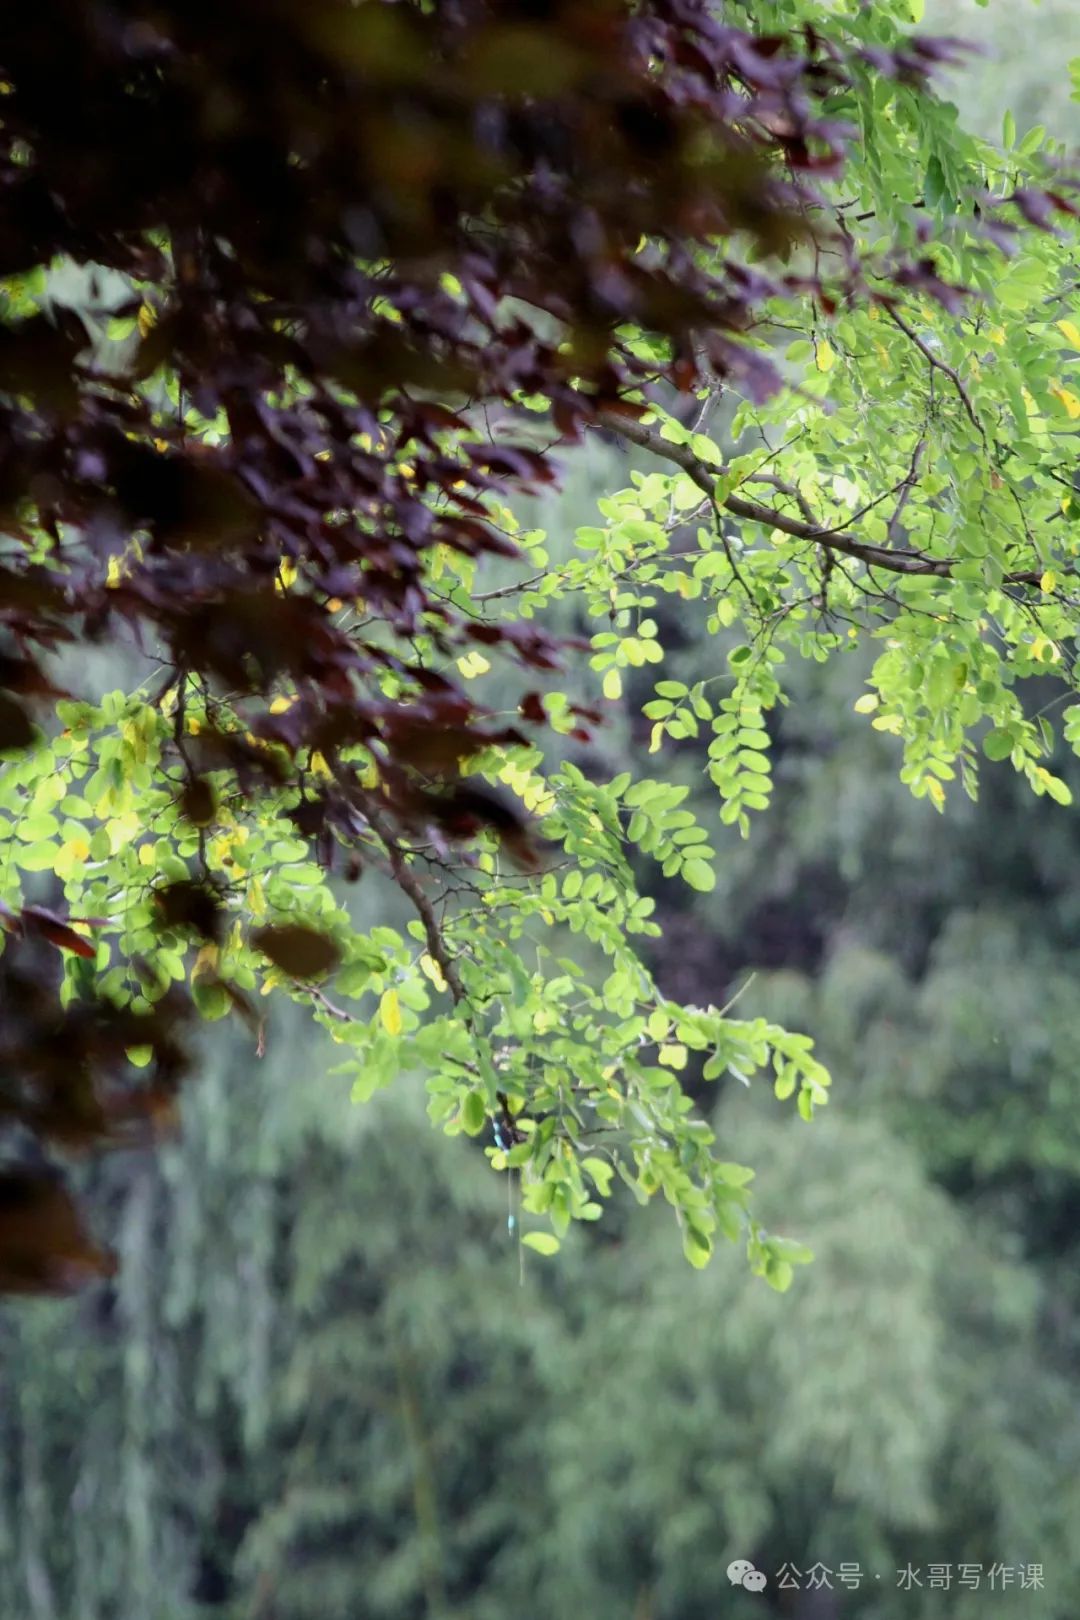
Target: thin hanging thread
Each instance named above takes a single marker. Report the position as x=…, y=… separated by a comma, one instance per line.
x=513, y=1223
x=507, y=1136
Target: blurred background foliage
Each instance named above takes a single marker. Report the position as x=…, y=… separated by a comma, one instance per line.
x=318, y=1391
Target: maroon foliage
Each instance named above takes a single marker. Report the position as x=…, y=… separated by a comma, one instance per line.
x=353, y=237
x=287, y=187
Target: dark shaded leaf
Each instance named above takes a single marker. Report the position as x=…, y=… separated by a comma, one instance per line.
x=301, y=952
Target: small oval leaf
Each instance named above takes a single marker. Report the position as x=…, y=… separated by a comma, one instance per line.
x=542, y=1242
x=390, y=1012
x=473, y=1113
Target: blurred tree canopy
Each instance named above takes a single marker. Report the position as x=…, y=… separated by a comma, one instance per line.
x=296, y=303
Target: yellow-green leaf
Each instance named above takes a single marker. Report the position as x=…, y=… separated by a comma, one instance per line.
x=673, y=1056
x=473, y=1113
x=390, y=1012
x=1067, y=398
x=696, y=1247
x=779, y=1276
x=700, y=876
x=431, y=970
x=542, y=1242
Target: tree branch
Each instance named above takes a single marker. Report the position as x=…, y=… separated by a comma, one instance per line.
x=704, y=476
x=937, y=364
x=407, y=881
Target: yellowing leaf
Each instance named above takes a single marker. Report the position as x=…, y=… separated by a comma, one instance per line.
x=1044, y=782
x=281, y=704
x=826, y=357
x=1071, y=331
x=431, y=970
x=1048, y=583
x=867, y=703
x=997, y=335
x=473, y=664
x=656, y=737
x=123, y=829
x=936, y=793
x=1067, y=398
x=147, y=317
x=205, y=962
x=390, y=1012
x=1044, y=650
x=612, y=687
x=673, y=1056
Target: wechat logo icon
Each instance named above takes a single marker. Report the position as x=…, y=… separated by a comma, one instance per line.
x=741, y=1572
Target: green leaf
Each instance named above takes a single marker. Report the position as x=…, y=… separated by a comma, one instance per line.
x=699, y=875
x=797, y=1254
x=736, y=1175
x=779, y=1275
x=36, y=857
x=696, y=1247
x=474, y=1113
x=541, y=1242
x=998, y=744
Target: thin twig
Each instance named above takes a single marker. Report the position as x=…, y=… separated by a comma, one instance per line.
x=937, y=364
x=328, y=1006
x=704, y=475
x=407, y=881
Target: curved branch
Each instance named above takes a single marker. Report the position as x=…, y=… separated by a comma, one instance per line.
x=839, y=540
x=407, y=881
